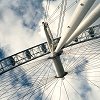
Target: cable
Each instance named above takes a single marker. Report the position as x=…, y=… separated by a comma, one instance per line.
x=61, y=18
x=46, y=10
x=53, y=20
x=55, y=11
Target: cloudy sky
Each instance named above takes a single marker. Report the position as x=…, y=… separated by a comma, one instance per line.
x=21, y=25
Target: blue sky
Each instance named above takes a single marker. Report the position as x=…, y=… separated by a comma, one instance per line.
x=20, y=22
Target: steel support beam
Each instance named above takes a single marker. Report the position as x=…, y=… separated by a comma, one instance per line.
x=58, y=66
x=90, y=19
x=42, y=49
x=55, y=58
x=48, y=35
x=78, y=15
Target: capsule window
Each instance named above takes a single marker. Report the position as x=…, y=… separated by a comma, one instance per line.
x=91, y=32
x=28, y=54
x=11, y=61
x=43, y=47
x=76, y=39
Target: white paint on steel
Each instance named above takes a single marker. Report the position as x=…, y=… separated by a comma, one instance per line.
x=91, y=18
x=58, y=67
x=48, y=35
x=56, y=59
x=78, y=15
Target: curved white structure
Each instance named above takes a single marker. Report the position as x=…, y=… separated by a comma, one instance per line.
x=91, y=18
x=80, y=12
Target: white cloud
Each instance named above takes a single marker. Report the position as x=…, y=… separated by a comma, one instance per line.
x=12, y=31
x=15, y=37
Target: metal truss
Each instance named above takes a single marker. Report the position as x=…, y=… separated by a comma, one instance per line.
x=42, y=49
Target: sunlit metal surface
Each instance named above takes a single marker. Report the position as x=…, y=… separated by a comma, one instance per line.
x=43, y=49
x=36, y=79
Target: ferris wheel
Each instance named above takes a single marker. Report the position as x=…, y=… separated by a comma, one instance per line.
x=66, y=67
